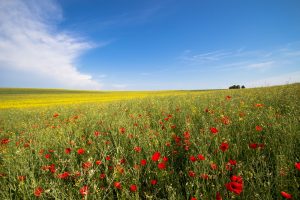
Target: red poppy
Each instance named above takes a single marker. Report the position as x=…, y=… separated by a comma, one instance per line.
x=258, y=128
x=224, y=146
x=165, y=159
x=156, y=156
x=96, y=133
x=63, y=175
x=161, y=165
x=237, y=179
x=258, y=105
x=138, y=149
x=153, y=182
x=38, y=191
x=107, y=158
x=193, y=158
x=122, y=161
x=201, y=157
x=236, y=184
x=55, y=115
x=234, y=187
x=122, y=130
x=86, y=165
x=218, y=196
x=47, y=156
x=193, y=198
x=286, y=195
x=225, y=120
x=80, y=151
x=253, y=145
x=133, y=188
x=84, y=190
x=204, y=176
x=98, y=162
x=213, y=166
x=192, y=174
x=22, y=178
x=118, y=185
x=4, y=141
x=297, y=165
x=102, y=176
x=68, y=150
x=232, y=162
x=143, y=162
x=214, y=130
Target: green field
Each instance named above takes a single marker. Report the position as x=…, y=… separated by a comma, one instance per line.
x=223, y=144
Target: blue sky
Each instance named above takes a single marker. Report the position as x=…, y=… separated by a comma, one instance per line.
x=150, y=44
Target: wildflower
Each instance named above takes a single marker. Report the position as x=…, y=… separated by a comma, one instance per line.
x=98, y=162
x=21, y=178
x=86, y=165
x=153, y=182
x=204, y=176
x=192, y=174
x=138, y=149
x=4, y=141
x=96, y=133
x=228, y=97
x=63, y=175
x=102, y=176
x=133, y=188
x=286, y=195
x=38, y=191
x=201, y=157
x=258, y=128
x=193, y=198
x=297, y=165
x=143, y=162
x=55, y=115
x=193, y=158
x=218, y=196
x=165, y=159
x=107, y=158
x=47, y=156
x=80, y=151
x=214, y=130
x=122, y=130
x=68, y=150
x=224, y=146
x=161, y=165
x=118, y=185
x=213, y=166
x=84, y=190
x=156, y=156
x=236, y=184
x=253, y=145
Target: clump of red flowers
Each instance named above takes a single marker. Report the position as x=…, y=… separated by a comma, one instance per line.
x=156, y=156
x=236, y=185
x=224, y=146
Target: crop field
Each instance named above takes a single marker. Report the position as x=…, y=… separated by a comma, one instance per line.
x=223, y=144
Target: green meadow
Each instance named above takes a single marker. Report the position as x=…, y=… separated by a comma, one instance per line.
x=218, y=144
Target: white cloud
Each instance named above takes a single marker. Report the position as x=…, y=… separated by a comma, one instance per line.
x=31, y=45
x=276, y=80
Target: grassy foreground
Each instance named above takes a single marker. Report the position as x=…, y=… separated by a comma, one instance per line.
x=231, y=144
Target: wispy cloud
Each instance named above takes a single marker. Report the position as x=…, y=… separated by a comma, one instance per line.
x=30, y=44
x=276, y=80
x=241, y=59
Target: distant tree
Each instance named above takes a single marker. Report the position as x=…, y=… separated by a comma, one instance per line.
x=243, y=87
x=236, y=87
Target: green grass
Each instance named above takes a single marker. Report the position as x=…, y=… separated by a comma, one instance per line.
x=148, y=123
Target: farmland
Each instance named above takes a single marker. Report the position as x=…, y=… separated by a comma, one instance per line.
x=223, y=144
